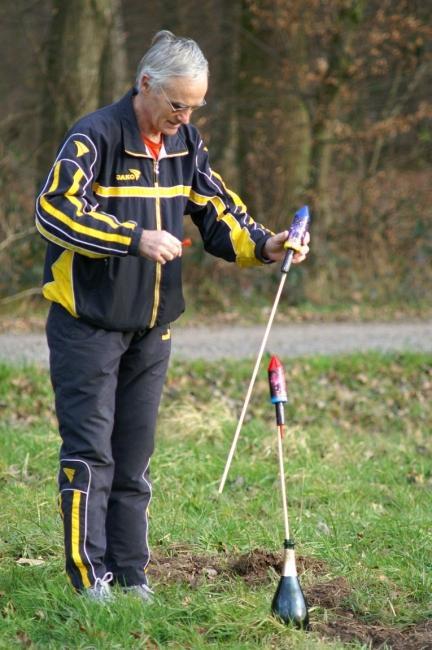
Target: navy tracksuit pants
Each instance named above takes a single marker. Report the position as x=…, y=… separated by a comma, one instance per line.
x=107, y=389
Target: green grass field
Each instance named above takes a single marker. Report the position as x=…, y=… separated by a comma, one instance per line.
x=358, y=458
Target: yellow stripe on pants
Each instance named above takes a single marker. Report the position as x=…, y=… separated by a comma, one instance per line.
x=76, y=556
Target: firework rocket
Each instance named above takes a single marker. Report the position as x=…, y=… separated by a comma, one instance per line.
x=288, y=604
x=278, y=391
x=297, y=231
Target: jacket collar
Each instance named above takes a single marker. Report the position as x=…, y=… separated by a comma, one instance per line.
x=175, y=145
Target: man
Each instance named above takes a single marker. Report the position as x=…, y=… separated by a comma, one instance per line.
x=112, y=212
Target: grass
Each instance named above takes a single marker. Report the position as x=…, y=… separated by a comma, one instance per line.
x=359, y=482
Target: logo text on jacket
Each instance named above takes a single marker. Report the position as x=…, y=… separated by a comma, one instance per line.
x=131, y=175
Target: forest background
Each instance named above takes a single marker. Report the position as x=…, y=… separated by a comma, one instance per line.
x=322, y=102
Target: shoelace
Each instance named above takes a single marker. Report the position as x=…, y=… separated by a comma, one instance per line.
x=103, y=583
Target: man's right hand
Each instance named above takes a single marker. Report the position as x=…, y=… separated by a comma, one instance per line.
x=159, y=246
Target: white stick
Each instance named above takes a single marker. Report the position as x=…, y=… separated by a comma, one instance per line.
x=251, y=384
x=282, y=482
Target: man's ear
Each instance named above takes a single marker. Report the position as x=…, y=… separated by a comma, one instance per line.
x=145, y=84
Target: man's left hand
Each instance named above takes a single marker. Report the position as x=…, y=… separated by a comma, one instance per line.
x=274, y=248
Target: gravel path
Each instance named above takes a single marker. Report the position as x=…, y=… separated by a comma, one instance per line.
x=242, y=342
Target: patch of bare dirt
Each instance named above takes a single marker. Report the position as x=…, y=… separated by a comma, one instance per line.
x=347, y=628
x=255, y=567
x=181, y=565
x=258, y=567
x=328, y=594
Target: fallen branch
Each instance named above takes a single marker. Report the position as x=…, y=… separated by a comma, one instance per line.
x=35, y=291
x=15, y=237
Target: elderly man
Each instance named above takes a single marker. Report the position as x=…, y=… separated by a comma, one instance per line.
x=112, y=212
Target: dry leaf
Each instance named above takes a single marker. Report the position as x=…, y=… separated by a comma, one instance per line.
x=28, y=561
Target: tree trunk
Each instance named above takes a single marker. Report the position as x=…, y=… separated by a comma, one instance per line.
x=224, y=92
x=275, y=127
x=85, y=66
x=254, y=102
x=113, y=80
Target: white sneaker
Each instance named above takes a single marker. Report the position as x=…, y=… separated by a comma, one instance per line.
x=100, y=590
x=141, y=591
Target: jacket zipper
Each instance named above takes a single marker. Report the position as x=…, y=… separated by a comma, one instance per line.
x=158, y=264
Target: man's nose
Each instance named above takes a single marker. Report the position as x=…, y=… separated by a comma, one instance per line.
x=185, y=115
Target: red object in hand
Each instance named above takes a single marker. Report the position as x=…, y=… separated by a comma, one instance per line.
x=187, y=242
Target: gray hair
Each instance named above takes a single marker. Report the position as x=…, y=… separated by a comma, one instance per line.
x=171, y=56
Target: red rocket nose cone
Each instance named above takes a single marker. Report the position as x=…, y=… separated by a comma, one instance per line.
x=274, y=364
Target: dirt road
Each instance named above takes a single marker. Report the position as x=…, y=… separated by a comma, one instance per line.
x=242, y=342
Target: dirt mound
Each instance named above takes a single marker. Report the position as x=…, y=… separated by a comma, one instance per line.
x=180, y=564
x=255, y=567
x=348, y=628
x=328, y=594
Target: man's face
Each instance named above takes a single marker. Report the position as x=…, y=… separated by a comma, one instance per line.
x=161, y=103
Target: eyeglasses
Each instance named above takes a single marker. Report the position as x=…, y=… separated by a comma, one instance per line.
x=178, y=107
